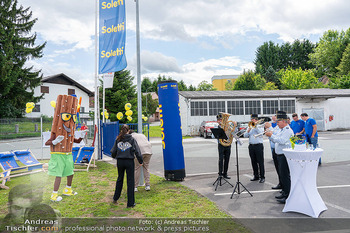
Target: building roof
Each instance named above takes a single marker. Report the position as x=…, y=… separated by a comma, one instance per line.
x=65, y=80
x=304, y=93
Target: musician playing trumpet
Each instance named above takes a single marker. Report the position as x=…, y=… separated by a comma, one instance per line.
x=256, y=148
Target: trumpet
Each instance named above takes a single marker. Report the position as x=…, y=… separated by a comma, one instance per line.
x=260, y=123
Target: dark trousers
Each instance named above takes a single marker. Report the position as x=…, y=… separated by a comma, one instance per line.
x=275, y=162
x=224, y=159
x=284, y=174
x=128, y=166
x=256, y=153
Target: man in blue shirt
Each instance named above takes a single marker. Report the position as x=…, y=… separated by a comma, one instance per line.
x=297, y=124
x=310, y=129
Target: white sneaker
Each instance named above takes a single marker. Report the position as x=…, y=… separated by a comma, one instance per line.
x=136, y=190
x=148, y=188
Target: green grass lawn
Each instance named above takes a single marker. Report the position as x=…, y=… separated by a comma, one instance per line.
x=167, y=199
x=155, y=132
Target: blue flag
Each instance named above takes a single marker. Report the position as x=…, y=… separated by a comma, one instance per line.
x=112, y=30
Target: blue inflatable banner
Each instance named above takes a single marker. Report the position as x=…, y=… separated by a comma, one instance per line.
x=170, y=123
x=111, y=36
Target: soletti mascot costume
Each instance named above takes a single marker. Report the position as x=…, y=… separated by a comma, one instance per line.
x=61, y=142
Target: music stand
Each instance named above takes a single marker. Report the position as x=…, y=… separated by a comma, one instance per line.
x=219, y=133
x=238, y=183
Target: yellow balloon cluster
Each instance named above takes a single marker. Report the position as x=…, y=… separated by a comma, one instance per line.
x=105, y=113
x=29, y=107
x=128, y=112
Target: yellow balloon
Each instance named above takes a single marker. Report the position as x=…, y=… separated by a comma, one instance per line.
x=145, y=118
x=127, y=106
x=128, y=113
x=30, y=105
x=129, y=118
x=53, y=103
x=29, y=110
x=107, y=115
x=119, y=115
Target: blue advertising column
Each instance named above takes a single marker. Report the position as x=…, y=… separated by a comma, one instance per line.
x=170, y=123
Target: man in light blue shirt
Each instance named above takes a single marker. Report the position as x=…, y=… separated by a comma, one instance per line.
x=256, y=149
x=274, y=130
x=281, y=140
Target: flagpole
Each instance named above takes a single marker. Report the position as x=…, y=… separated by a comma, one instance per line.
x=139, y=99
x=96, y=107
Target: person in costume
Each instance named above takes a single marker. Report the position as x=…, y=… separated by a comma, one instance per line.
x=61, y=142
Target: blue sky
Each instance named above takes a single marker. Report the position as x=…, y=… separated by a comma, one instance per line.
x=190, y=40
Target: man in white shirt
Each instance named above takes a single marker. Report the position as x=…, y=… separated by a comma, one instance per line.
x=281, y=140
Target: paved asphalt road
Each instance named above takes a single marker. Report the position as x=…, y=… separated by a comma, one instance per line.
x=261, y=212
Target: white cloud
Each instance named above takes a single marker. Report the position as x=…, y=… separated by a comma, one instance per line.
x=194, y=18
x=195, y=72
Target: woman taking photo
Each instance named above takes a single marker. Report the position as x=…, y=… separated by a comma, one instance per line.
x=124, y=150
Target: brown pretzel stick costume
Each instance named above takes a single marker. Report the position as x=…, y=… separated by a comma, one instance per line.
x=61, y=141
x=65, y=105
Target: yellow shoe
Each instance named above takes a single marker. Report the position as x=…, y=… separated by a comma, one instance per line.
x=55, y=197
x=69, y=192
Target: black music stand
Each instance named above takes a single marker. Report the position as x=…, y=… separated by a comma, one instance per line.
x=219, y=133
x=238, y=183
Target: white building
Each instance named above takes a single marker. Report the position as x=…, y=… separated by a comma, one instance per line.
x=59, y=84
x=329, y=107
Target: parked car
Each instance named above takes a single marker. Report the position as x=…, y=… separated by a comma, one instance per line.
x=242, y=127
x=204, y=129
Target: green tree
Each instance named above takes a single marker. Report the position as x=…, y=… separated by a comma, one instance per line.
x=270, y=86
x=146, y=85
x=182, y=86
x=149, y=105
x=344, y=66
x=249, y=81
x=342, y=82
x=192, y=88
x=229, y=85
x=267, y=55
x=17, y=45
x=329, y=52
x=298, y=79
x=123, y=91
x=299, y=55
x=205, y=86
x=270, y=75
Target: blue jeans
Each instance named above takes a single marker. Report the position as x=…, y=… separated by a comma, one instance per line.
x=312, y=141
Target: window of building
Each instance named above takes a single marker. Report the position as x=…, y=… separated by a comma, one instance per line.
x=82, y=109
x=199, y=108
x=36, y=108
x=252, y=106
x=44, y=89
x=288, y=106
x=235, y=107
x=71, y=91
x=270, y=106
x=215, y=107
